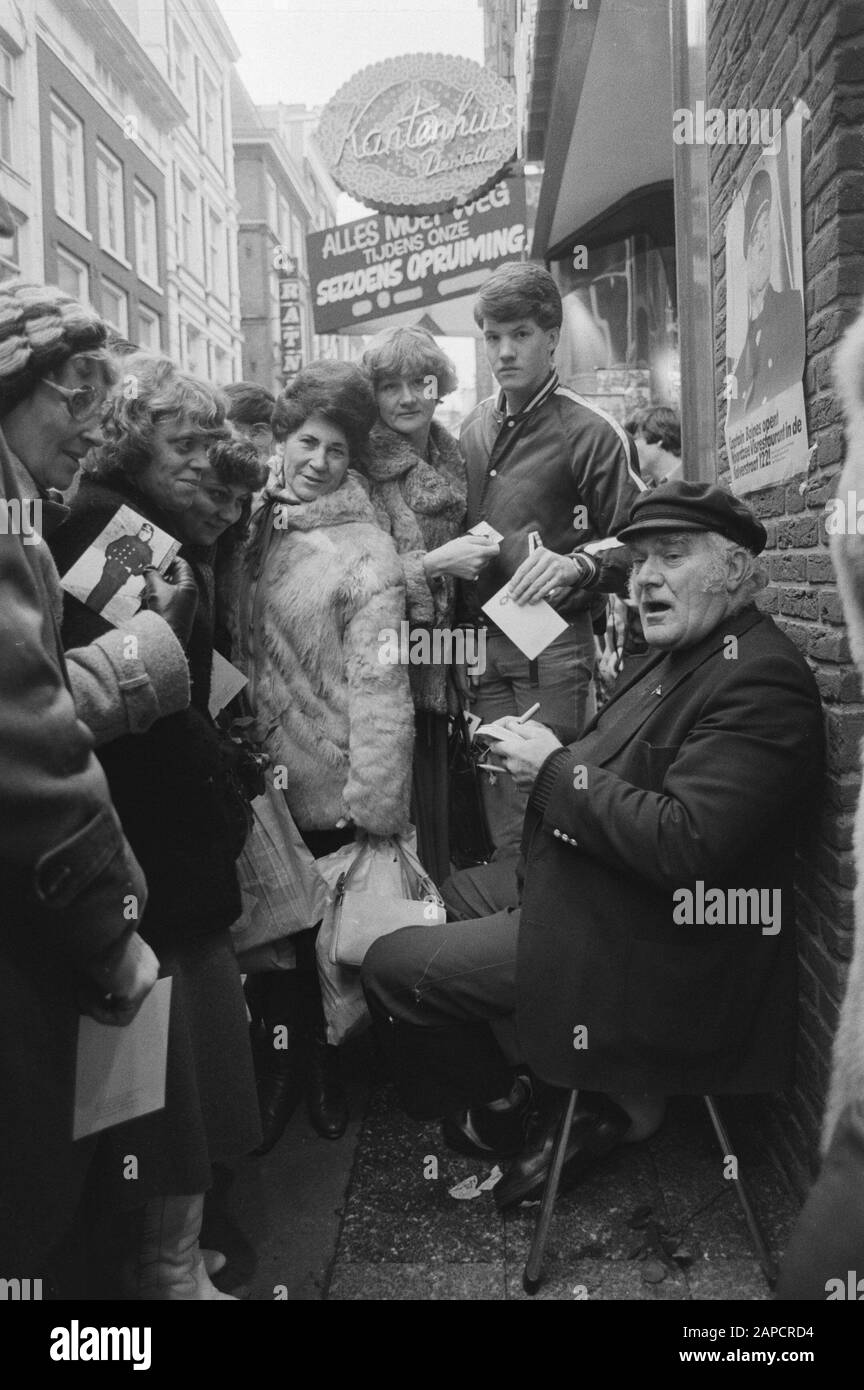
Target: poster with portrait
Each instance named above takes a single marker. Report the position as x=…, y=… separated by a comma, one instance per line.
x=766, y=430
x=109, y=576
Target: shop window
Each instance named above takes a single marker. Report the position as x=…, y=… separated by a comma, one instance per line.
x=619, y=339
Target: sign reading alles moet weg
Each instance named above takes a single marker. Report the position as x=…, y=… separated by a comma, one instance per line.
x=387, y=264
x=421, y=133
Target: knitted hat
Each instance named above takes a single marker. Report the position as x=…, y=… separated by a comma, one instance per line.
x=40, y=329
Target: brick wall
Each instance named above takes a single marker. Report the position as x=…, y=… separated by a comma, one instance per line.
x=766, y=55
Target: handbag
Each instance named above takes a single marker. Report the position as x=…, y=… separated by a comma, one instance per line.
x=385, y=888
x=282, y=890
x=379, y=867
x=470, y=841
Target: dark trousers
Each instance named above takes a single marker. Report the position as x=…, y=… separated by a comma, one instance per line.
x=433, y=992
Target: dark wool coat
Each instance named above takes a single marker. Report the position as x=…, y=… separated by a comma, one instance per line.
x=58, y=831
x=704, y=777
x=166, y=784
x=422, y=506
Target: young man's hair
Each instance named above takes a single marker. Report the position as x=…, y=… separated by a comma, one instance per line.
x=249, y=403
x=634, y=420
x=520, y=290
x=661, y=424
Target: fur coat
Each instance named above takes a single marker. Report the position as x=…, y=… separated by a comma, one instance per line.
x=324, y=584
x=422, y=506
x=847, y=1072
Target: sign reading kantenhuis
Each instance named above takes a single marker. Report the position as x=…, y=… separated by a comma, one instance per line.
x=420, y=133
x=390, y=263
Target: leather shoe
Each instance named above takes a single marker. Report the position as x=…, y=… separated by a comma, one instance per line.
x=482, y=1133
x=325, y=1094
x=599, y=1126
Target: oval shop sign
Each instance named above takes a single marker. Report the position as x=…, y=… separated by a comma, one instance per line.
x=420, y=133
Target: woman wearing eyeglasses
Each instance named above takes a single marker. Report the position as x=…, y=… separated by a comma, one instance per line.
x=55, y=376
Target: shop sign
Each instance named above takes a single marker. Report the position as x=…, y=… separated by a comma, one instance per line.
x=385, y=264
x=421, y=133
x=290, y=332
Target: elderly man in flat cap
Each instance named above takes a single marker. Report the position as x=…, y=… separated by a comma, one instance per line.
x=653, y=952
x=773, y=355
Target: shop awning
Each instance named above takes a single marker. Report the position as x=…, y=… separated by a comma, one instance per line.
x=599, y=112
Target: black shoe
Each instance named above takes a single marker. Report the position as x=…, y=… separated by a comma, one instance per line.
x=279, y=1076
x=599, y=1125
x=482, y=1133
x=325, y=1093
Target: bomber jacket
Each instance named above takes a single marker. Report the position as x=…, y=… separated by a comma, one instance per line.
x=561, y=467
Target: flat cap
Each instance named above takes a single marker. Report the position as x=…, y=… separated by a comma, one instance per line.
x=759, y=196
x=694, y=507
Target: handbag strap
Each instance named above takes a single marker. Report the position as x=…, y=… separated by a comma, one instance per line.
x=425, y=883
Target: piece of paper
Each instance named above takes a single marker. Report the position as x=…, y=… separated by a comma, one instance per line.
x=595, y=547
x=532, y=626
x=484, y=529
x=120, y=1072
x=109, y=576
x=225, y=682
x=473, y=722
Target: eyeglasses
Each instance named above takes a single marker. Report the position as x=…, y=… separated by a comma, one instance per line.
x=81, y=401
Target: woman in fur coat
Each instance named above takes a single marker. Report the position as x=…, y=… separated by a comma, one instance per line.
x=321, y=587
x=419, y=489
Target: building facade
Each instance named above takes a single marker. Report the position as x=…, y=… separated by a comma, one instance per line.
x=116, y=158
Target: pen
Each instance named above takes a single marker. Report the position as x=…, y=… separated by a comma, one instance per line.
x=528, y=713
x=491, y=767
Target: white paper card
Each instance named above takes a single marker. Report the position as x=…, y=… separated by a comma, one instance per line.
x=532, y=626
x=484, y=529
x=109, y=576
x=225, y=682
x=595, y=547
x=120, y=1072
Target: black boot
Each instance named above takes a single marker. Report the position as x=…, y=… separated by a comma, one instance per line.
x=325, y=1093
x=280, y=1061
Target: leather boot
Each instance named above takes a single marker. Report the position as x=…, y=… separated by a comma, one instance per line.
x=167, y=1265
x=280, y=1063
x=325, y=1093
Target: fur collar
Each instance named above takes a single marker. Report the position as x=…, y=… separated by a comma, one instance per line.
x=348, y=503
x=429, y=488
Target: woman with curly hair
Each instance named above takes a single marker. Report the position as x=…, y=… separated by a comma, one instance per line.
x=419, y=489
x=322, y=583
x=167, y=454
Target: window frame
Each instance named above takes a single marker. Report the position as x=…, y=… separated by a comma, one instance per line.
x=138, y=189
x=64, y=113
x=106, y=283
x=63, y=254
x=106, y=156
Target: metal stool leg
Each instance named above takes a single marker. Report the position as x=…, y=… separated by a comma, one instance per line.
x=769, y=1268
x=531, y=1275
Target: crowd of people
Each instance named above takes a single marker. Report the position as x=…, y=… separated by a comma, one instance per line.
x=303, y=528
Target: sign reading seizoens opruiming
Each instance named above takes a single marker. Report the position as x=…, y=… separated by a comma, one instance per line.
x=421, y=133
x=290, y=332
x=388, y=264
